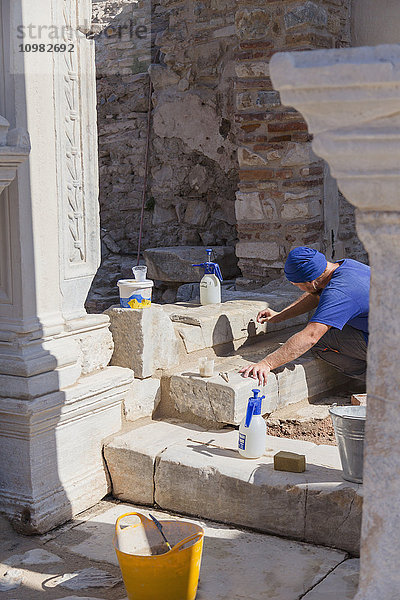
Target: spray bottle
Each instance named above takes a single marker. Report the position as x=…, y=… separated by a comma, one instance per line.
x=210, y=287
x=253, y=429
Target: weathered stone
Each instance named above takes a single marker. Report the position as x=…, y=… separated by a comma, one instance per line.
x=197, y=213
x=37, y=556
x=11, y=580
x=274, y=155
x=131, y=457
x=203, y=327
x=308, y=13
x=252, y=24
x=341, y=583
x=264, y=250
x=143, y=398
x=174, y=118
x=144, y=340
x=95, y=349
x=162, y=77
x=257, y=100
x=163, y=215
x=298, y=154
x=248, y=206
x=198, y=179
x=252, y=69
x=217, y=401
x=301, y=210
x=175, y=263
x=187, y=472
x=269, y=209
x=250, y=159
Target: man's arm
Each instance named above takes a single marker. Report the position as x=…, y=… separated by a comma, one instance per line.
x=294, y=347
x=304, y=304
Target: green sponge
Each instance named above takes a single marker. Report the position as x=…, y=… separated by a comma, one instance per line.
x=289, y=461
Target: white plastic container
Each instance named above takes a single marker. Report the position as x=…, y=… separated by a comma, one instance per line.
x=253, y=429
x=135, y=294
x=210, y=290
x=210, y=286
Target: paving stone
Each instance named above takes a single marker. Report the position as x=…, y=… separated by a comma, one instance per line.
x=341, y=583
x=11, y=580
x=80, y=598
x=235, y=565
x=316, y=505
x=131, y=457
x=200, y=473
x=86, y=578
x=37, y=556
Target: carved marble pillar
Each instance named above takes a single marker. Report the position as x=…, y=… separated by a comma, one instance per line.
x=58, y=398
x=351, y=101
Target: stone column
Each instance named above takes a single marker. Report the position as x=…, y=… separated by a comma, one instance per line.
x=58, y=398
x=351, y=102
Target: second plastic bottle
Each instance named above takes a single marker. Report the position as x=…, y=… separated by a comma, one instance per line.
x=253, y=429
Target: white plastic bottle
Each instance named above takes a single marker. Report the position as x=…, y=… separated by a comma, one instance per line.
x=210, y=286
x=210, y=289
x=253, y=429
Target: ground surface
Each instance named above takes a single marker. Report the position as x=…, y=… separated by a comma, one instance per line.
x=316, y=431
x=307, y=421
x=236, y=565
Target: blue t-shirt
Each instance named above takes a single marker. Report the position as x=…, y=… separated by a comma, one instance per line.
x=345, y=300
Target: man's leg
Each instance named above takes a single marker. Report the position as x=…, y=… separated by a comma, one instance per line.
x=345, y=349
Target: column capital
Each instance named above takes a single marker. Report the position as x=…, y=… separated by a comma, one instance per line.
x=350, y=99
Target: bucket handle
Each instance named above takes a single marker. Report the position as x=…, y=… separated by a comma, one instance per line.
x=131, y=514
x=143, y=519
x=192, y=537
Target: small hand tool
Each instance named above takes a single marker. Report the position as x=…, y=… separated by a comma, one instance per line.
x=160, y=529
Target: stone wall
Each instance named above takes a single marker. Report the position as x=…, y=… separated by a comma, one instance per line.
x=286, y=196
x=193, y=170
x=211, y=96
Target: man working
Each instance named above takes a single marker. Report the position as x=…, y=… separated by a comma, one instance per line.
x=338, y=330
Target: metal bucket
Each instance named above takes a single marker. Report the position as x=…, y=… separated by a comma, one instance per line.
x=349, y=425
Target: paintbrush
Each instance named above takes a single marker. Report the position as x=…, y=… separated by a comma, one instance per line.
x=160, y=529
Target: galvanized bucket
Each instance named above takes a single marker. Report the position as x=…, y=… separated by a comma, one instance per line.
x=349, y=425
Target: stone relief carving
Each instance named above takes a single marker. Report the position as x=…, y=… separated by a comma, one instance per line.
x=72, y=133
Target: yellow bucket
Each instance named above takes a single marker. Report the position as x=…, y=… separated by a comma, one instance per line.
x=152, y=572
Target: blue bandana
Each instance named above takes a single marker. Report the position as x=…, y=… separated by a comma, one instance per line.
x=304, y=264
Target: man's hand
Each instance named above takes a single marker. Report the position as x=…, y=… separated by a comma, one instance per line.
x=258, y=371
x=266, y=315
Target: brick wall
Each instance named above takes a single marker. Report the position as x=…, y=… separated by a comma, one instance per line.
x=284, y=188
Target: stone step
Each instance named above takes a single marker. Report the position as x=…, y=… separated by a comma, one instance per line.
x=218, y=402
x=187, y=469
x=233, y=322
